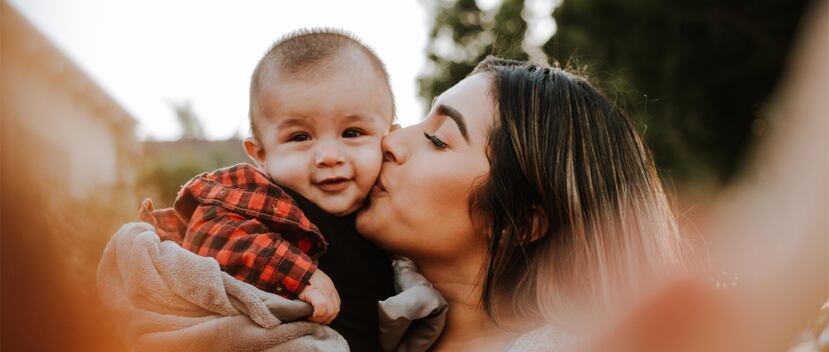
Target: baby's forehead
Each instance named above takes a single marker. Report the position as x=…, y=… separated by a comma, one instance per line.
x=337, y=96
x=347, y=84
x=341, y=96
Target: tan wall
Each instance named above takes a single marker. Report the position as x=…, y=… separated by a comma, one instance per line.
x=48, y=110
x=91, y=137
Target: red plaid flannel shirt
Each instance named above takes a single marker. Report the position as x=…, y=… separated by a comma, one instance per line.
x=248, y=224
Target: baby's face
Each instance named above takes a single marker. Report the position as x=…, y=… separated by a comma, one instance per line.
x=321, y=136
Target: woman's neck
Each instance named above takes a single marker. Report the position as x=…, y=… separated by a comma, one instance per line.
x=468, y=328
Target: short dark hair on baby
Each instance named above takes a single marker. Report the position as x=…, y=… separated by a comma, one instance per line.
x=297, y=52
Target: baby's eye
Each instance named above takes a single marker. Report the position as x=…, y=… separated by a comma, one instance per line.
x=299, y=137
x=352, y=133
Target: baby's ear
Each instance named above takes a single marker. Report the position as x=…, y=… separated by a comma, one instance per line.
x=255, y=151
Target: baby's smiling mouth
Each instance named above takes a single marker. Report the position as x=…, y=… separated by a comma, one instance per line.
x=333, y=184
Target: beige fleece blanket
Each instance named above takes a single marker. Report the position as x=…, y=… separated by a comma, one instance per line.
x=170, y=299
x=413, y=319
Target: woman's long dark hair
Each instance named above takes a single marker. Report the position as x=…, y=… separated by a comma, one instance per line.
x=573, y=206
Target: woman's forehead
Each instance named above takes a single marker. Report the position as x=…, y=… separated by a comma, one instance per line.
x=473, y=100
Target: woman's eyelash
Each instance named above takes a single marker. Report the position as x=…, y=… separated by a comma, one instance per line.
x=435, y=140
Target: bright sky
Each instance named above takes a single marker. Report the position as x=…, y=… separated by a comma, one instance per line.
x=149, y=53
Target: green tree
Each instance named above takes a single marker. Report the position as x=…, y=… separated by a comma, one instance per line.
x=462, y=35
x=191, y=127
x=696, y=75
x=167, y=166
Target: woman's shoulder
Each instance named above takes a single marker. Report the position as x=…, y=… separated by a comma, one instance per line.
x=545, y=338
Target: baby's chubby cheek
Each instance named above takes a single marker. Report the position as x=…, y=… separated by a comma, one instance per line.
x=288, y=169
x=368, y=161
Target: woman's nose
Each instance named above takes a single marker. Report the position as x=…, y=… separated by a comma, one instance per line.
x=394, y=149
x=328, y=155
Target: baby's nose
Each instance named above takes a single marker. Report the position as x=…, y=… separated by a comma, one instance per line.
x=329, y=155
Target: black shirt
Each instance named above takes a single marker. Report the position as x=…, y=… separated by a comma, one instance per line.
x=361, y=272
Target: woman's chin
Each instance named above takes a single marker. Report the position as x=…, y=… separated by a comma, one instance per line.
x=367, y=218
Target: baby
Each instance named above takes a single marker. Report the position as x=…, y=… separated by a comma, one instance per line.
x=320, y=103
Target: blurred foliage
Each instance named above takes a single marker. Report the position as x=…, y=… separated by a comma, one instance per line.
x=694, y=75
x=191, y=126
x=462, y=35
x=169, y=165
x=162, y=176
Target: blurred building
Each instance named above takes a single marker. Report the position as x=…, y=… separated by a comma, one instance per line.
x=56, y=120
x=69, y=157
x=211, y=153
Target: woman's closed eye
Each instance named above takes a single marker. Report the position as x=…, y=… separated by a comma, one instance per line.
x=438, y=143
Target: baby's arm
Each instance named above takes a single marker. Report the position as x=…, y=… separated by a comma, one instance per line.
x=249, y=250
x=321, y=294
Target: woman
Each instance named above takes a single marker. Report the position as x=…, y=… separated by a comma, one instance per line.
x=525, y=196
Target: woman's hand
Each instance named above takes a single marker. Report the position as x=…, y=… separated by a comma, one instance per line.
x=323, y=296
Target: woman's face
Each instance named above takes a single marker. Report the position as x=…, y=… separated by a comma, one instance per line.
x=419, y=206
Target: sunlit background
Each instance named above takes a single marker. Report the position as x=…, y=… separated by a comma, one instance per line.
x=152, y=56
x=107, y=102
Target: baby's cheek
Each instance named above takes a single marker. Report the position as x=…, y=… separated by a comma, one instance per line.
x=368, y=160
x=287, y=170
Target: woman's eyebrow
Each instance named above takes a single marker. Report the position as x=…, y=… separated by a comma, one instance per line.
x=455, y=116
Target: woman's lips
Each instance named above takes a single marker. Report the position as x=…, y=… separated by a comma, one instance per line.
x=378, y=188
x=333, y=184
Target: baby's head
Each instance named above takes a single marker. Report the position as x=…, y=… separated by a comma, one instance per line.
x=320, y=104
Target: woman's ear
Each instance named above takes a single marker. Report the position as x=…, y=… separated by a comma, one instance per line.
x=255, y=151
x=540, y=224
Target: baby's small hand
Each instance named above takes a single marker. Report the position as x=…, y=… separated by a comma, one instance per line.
x=322, y=295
